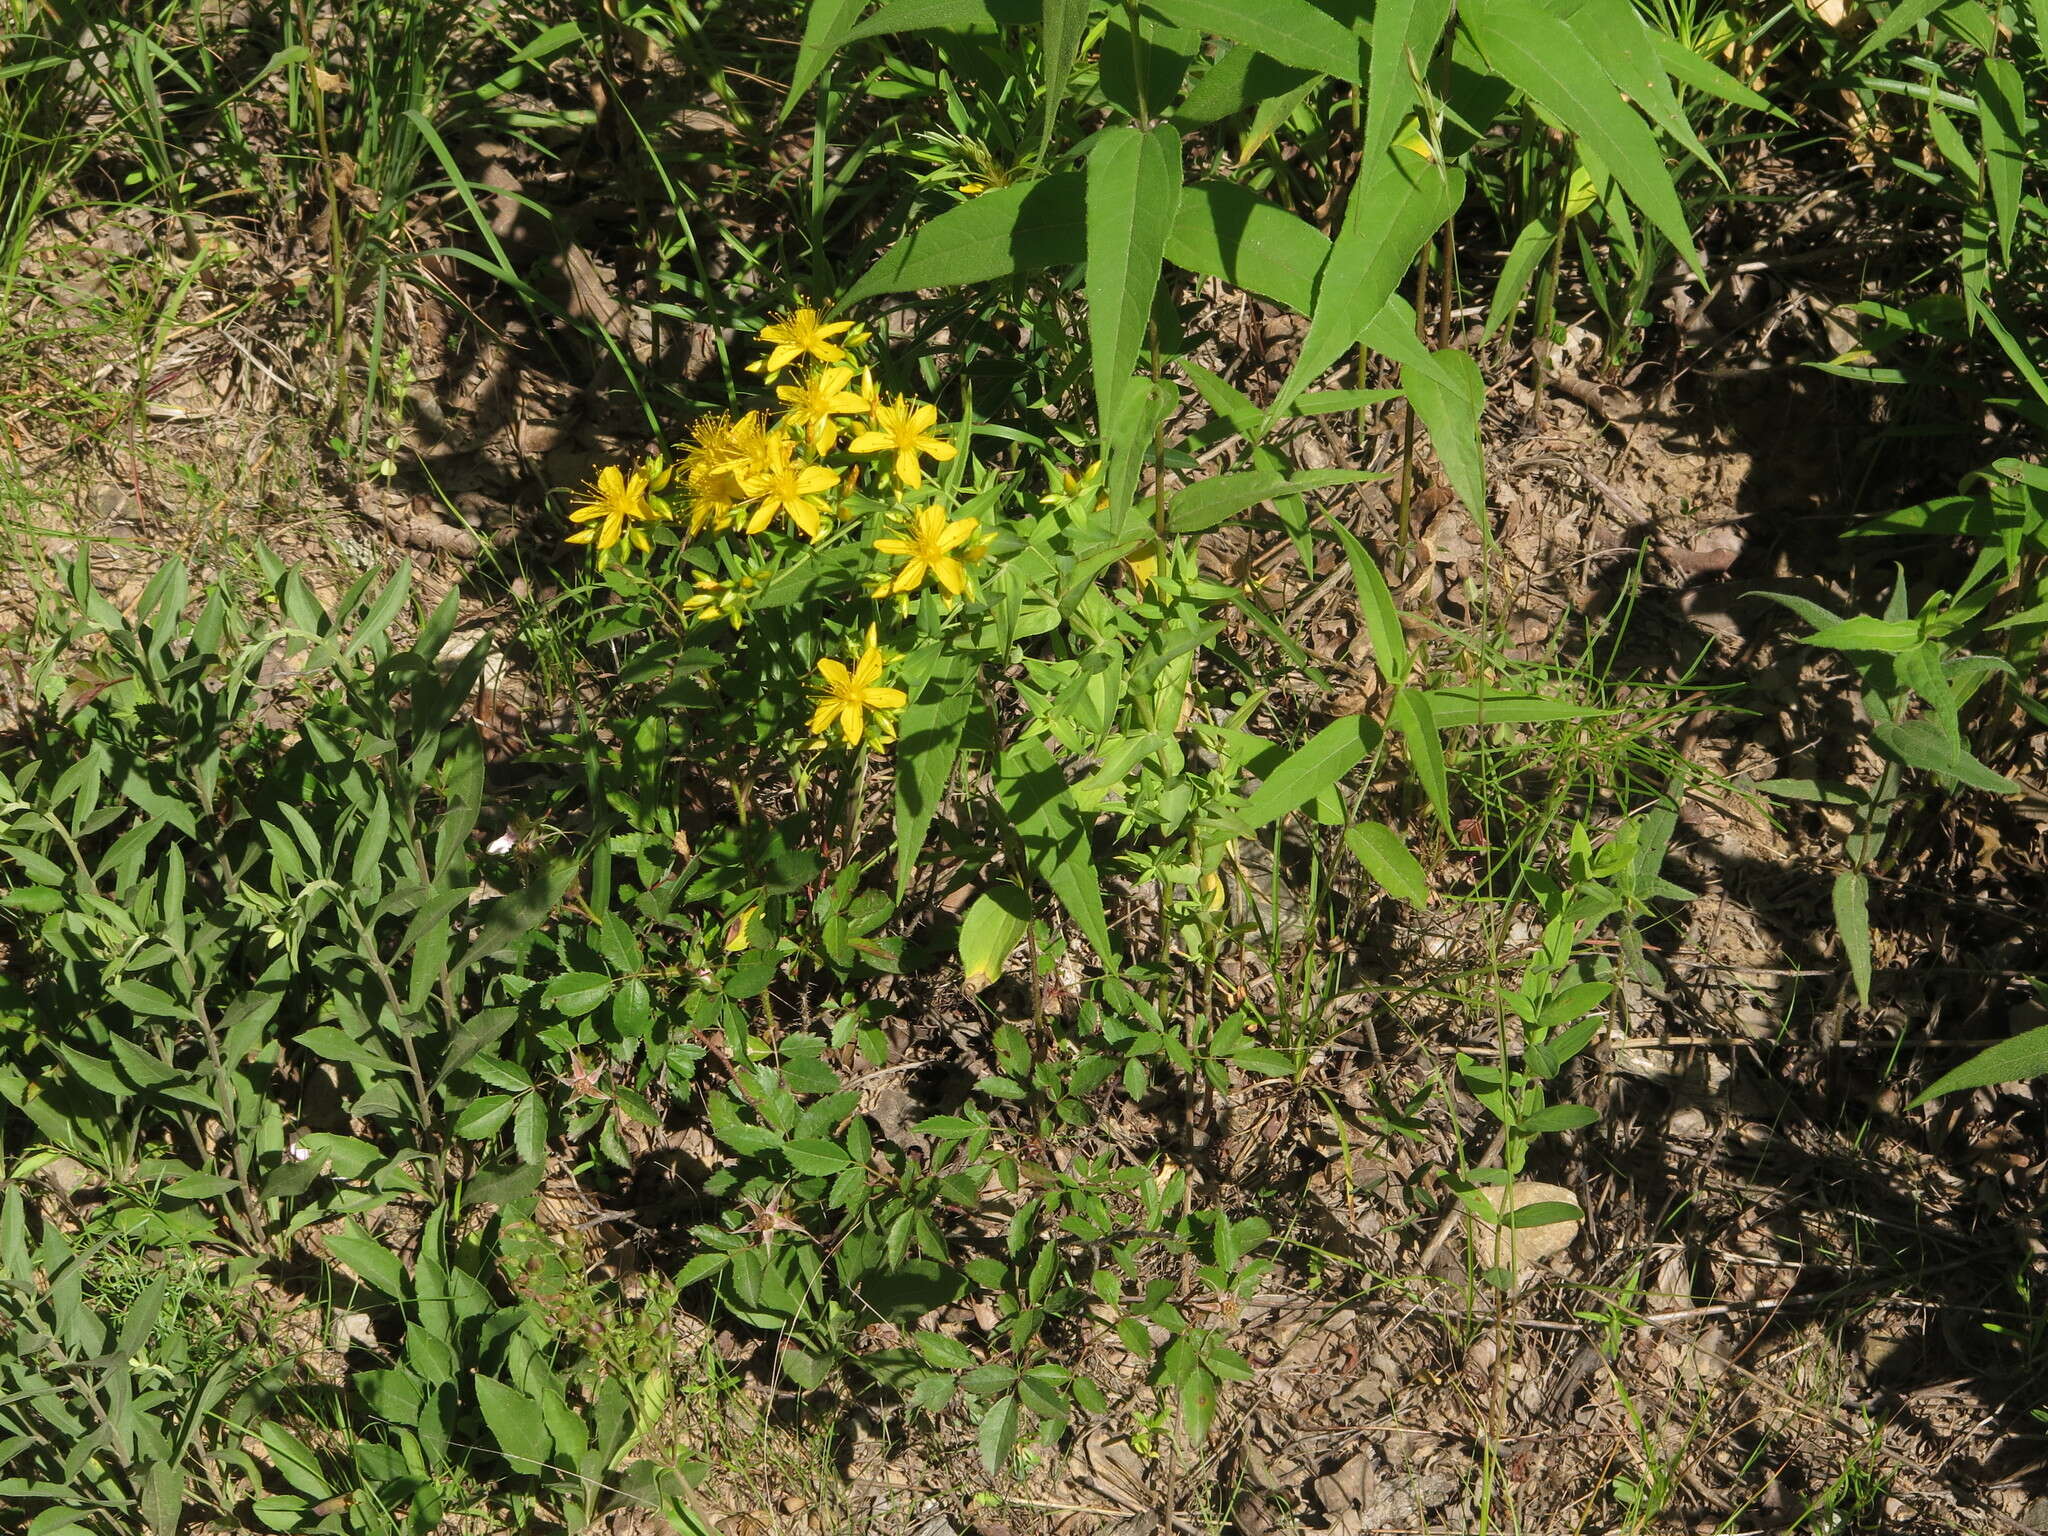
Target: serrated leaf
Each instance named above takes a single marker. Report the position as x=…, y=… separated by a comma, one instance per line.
x=944, y=1352
x=998, y=1436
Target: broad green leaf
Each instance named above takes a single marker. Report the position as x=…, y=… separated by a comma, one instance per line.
x=1316, y=765
x=1292, y=31
x=481, y=1117
x=1864, y=632
x=1224, y=231
x=1386, y=858
x=1133, y=189
x=516, y=1423
x=1033, y=793
x=2025, y=1055
x=998, y=1435
x=944, y=1352
x=990, y=933
x=2002, y=103
x=1541, y=1213
x=1241, y=78
x=1022, y=228
x=1549, y=63
x=1926, y=745
x=1416, y=720
x=1851, y=901
x=1208, y=502
x=1392, y=213
x=371, y=1261
x=931, y=15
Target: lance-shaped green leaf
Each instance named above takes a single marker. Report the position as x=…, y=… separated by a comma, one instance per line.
x=1054, y=834
x=827, y=25
x=1133, y=190
x=1316, y=765
x=1392, y=214
x=1208, y=502
x=1850, y=898
x=1292, y=31
x=1061, y=23
x=932, y=15
x=1224, y=231
x=1027, y=227
x=2025, y=1055
x=1449, y=395
x=1549, y=63
x=1404, y=37
x=2004, y=117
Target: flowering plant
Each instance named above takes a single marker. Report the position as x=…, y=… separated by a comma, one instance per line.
x=766, y=506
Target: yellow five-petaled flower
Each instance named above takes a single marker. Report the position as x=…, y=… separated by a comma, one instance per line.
x=904, y=427
x=784, y=483
x=816, y=401
x=615, y=510
x=853, y=698
x=801, y=334
x=930, y=546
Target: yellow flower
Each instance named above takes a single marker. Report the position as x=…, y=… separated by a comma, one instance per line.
x=1071, y=485
x=801, y=334
x=853, y=698
x=928, y=549
x=1143, y=564
x=616, y=508
x=904, y=428
x=813, y=403
x=783, y=483
x=727, y=600
x=721, y=451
